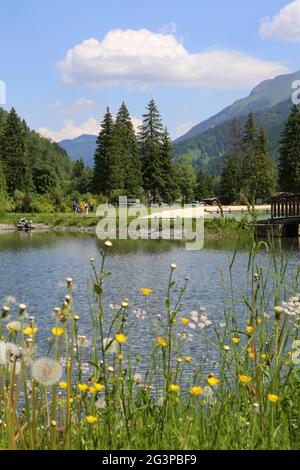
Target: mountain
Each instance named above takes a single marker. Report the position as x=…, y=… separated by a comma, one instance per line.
x=266, y=95
x=207, y=150
x=83, y=146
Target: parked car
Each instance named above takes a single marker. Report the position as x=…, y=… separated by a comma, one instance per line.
x=195, y=203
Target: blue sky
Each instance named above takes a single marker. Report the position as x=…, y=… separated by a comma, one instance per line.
x=193, y=57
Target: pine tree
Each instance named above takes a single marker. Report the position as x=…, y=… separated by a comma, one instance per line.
x=151, y=132
x=14, y=155
x=289, y=160
x=104, y=156
x=168, y=189
x=266, y=177
x=201, y=190
x=230, y=178
x=127, y=164
x=2, y=181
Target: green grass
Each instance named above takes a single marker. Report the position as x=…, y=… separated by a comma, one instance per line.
x=251, y=400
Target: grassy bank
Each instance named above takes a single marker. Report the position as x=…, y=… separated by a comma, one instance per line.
x=250, y=400
x=216, y=228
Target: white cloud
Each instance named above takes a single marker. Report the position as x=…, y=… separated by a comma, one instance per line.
x=78, y=106
x=169, y=28
x=183, y=128
x=70, y=130
x=285, y=25
x=142, y=58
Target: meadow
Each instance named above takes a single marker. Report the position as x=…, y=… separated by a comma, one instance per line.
x=250, y=400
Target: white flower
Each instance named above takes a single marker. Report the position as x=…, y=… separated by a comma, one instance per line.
x=9, y=352
x=46, y=371
x=100, y=403
x=14, y=326
x=137, y=378
x=192, y=326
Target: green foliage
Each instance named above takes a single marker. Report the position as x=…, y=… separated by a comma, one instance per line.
x=289, y=162
x=186, y=176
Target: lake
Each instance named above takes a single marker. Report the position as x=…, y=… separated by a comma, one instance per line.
x=34, y=267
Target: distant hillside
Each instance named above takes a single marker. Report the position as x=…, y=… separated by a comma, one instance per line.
x=82, y=147
x=267, y=94
x=208, y=149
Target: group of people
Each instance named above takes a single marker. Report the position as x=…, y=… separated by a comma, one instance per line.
x=81, y=209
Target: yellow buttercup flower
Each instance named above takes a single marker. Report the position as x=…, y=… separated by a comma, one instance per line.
x=235, y=340
x=273, y=398
x=250, y=329
x=83, y=387
x=91, y=419
x=252, y=355
x=63, y=385
x=99, y=387
x=93, y=390
x=245, y=379
x=249, y=350
x=196, y=390
x=30, y=331
x=57, y=331
x=188, y=358
x=263, y=357
x=185, y=321
x=213, y=381
x=146, y=291
x=121, y=338
x=161, y=341
x=174, y=388
x=71, y=400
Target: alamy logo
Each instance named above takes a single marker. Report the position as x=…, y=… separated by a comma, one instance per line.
x=296, y=94
x=2, y=93
x=139, y=222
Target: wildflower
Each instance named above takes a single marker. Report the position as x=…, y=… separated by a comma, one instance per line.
x=252, y=355
x=235, y=340
x=92, y=390
x=110, y=369
x=213, y=381
x=121, y=357
x=278, y=311
x=173, y=266
x=110, y=345
x=14, y=326
x=273, y=398
x=226, y=348
x=263, y=357
x=185, y=321
x=196, y=390
x=67, y=299
x=101, y=404
x=192, y=326
x=8, y=352
x=137, y=378
x=259, y=321
x=5, y=312
x=108, y=244
x=179, y=360
x=146, y=291
x=92, y=260
x=255, y=408
x=99, y=387
x=30, y=331
x=83, y=387
x=46, y=371
x=161, y=341
x=125, y=304
x=63, y=385
x=22, y=309
x=188, y=358
x=57, y=331
x=69, y=282
x=121, y=338
x=53, y=423
x=91, y=419
x=249, y=350
x=245, y=379
x=250, y=329
x=71, y=400
x=83, y=342
x=174, y=388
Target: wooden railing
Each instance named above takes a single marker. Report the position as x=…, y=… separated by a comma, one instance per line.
x=285, y=206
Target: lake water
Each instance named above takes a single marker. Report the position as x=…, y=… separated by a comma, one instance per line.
x=33, y=268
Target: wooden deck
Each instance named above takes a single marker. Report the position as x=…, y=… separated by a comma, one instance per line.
x=285, y=217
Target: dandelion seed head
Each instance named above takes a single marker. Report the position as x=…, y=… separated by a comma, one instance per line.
x=46, y=371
